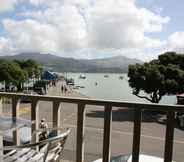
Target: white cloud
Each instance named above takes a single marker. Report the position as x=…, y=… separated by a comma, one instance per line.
x=109, y=24
x=120, y=24
x=6, y=47
x=176, y=42
x=29, y=35
x=54, y=3
x=72, y=25
x=7, y=5
x=152, y=22
x=42, y=2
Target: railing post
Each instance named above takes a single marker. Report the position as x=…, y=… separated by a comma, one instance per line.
x=15, y=114
x=107, y=133
x=35, y=116
x=1, y=105
x=1, y=137
x=80, y=133
x=56, y=114
x=169, y=137
x=136, y=135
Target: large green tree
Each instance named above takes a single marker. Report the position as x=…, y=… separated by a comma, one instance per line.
x=164, y=76
x=32, y=68
x=11, y=73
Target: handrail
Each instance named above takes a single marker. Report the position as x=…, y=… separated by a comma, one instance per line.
x=99, y=102
x=108, y=105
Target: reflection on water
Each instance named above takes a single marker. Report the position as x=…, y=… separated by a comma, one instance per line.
x=112, y=87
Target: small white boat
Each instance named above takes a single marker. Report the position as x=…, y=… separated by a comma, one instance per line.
x=82, y=76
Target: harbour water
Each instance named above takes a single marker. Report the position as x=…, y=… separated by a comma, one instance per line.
x=110, y=86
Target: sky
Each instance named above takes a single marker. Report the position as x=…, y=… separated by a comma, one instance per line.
x=89, y=29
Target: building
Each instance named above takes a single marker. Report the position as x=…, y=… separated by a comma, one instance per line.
x=50, y=76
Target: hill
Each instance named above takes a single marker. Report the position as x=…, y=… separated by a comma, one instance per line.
x=116, y=64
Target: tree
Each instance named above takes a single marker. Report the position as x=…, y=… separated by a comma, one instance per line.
x=32, y=68
x=11, y=73
x=164, y=76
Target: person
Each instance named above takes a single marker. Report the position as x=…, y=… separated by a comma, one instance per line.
x=62, y=88
x=43, y=125
x=65, y=89
x=54, y=83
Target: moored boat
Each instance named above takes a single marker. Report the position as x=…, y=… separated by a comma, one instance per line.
x=121, y=77
x=106, y=76
x=82, y=76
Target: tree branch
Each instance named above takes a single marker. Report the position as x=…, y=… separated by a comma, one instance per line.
x=144, y=97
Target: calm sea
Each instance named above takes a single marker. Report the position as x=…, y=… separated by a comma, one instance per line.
x=111, y=87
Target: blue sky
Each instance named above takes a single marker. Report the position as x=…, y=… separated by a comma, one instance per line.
x=171, y=8
x=92, y=28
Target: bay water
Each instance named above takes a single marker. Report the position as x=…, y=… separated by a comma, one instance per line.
x=110, y=86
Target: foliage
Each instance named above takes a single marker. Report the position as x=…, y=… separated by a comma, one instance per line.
x=157, y=78
x=32, y=68
x=11, y=73
x=17, y=72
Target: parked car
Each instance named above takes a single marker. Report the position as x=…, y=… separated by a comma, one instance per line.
x=11, y=88
x=2, y=89
x=40, y=90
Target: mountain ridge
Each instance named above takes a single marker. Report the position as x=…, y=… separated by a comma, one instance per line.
x=116, y=64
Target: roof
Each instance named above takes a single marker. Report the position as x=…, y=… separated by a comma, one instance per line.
x=48, y=75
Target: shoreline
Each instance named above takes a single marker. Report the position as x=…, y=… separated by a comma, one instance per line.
x=79, y=94
x=56, y=91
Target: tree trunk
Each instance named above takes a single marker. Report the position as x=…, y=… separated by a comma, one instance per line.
x=19, y=86
x=156, y=97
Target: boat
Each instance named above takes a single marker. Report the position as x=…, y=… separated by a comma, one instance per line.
x=106, y=76
x=82, y=76
x=81, y=87
x=78, y=86
x=121, y=77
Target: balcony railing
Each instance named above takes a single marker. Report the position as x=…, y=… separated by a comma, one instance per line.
x=108, y=105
